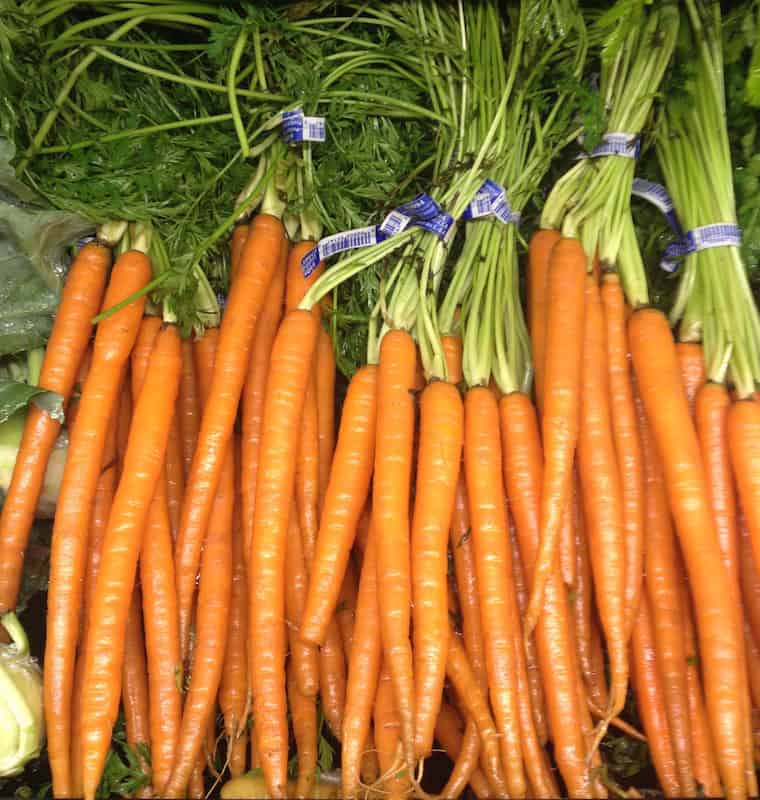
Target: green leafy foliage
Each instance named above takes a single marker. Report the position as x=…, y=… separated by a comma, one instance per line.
x=124, y=772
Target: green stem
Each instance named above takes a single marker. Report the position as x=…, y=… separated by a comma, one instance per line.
x=237, y=52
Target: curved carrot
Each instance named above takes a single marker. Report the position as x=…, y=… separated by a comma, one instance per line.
x=291, y=360
x=648, y=687
x=66, y=347
x=345, y=499
x=134, y=689
x=252, y=400
x=462, y=749
x=188, y=411
x=561, y=397
x=246, y=298
x=627, y=441
x=303, y=712
x=113, y=342
x=146, y=450
x=390, y=516
x=332, y=679
x=363, y=674
x=691, y=363
x=522, y=464
x=483, y=465
x=603, y=499
x=325, y=369
x=237, y=244
x=214, y=594
x=664, y=399
x=744, y=445
x=441, y=435
x=540, y=249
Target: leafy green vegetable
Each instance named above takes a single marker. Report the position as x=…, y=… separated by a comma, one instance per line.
x=123, y=773
x=15, y=395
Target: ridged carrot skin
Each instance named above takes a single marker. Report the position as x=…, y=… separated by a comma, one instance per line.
x=65, y=349
x=146, y=450
x=113, y=342
x=657, y=372
x=744, y=445
x=345, y=499
x=244, y=303
x=561, y=404
x=291, y=360
x=390, y=516
x=441, y=435
x=493, y=558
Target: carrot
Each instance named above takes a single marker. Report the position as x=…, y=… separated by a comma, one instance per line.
x=370, y=769
x=691, y=363
x=332, y=679
x=303, y=711
x=233, y=688
x=345, y=500
x=462, y=749
x=304, y=656
x=750, y=579
x=113, y=342
x=753, y=661
x=561, y=398
x=188, y=407
x=345, y=613
x=664, y=606
x=522, y=465
x=146, y=450
x=124, y=414
x=463, y=679
x=362, y=527
x=363, y=674
x=72, y=409
x=252, y=401
x=540, y=249
x=440, y=453
x=648, y=687
x=135, y=681
x=452, y=352
x=291, y=360
x=244, y=303
x=603, y=500
x=566, y=546
x=175, y=479
x=627, y=441
x=214, y=597
x=237, y=245
x=483, y=464
x=390, y=504
x=66, y=347
x=325, y=369
x=666, y=407
x=394, y=773
x=744, y=446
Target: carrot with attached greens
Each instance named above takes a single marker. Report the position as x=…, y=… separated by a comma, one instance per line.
x=390, y=516
x=657, y=372
x=441, y=434
x=252, y=400
x=146, y=450
x=188, y=410
x=345, y=499
x=66, y=347
x=561, y=412
x=290, y=365
x=483, y=465
x=246, y=298
x=113, y=342
x=363, y=673
x=744, y=445
x=540, y=249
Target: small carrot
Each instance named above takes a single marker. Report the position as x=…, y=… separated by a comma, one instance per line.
x=462, y=749
x=303, y=711
x=113, y=342
x=344, y=503
x=66, y=347
x=188, y=408
x=134, y=689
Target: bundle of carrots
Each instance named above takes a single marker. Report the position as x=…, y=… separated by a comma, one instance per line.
x=510, y=527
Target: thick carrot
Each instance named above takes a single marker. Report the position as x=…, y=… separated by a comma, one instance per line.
x=188, y=408
x=522, y=464
x=211, y=620
x=237, y=244
x=603, y=499
x=303, y=711
x=304, y=656
x=363, y=674
x=539, y=255
x=483, y=465
x=134, y=690
x=387, y=733
x=561, y=411
x=66, y=347
x=691, y=364
x=325, y=370
x=657, y=372
x=345, y=500
x=246, y=298
x=291, y=360
x=146, y=450
x=462, y=749
x=390, y=516
x=113, y=343
x=252, y=401
x=665, y=607
x=648, y=687
x=440, y=453
x=345, y=612
x=627, y=441
x=744, y=445
x=332, y=679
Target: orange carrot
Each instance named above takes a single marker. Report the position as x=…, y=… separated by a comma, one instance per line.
x=395, y=773
x=175, y=479
x=750, y=579
x=325, y=410
x=463, y=750
x=744, y=445
x=135, y=681
x=237, y=244
x=345, y=612
x=332, y=679
x=66, y=347
x=303, y=711
x=188, y=411
x=691, y=364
